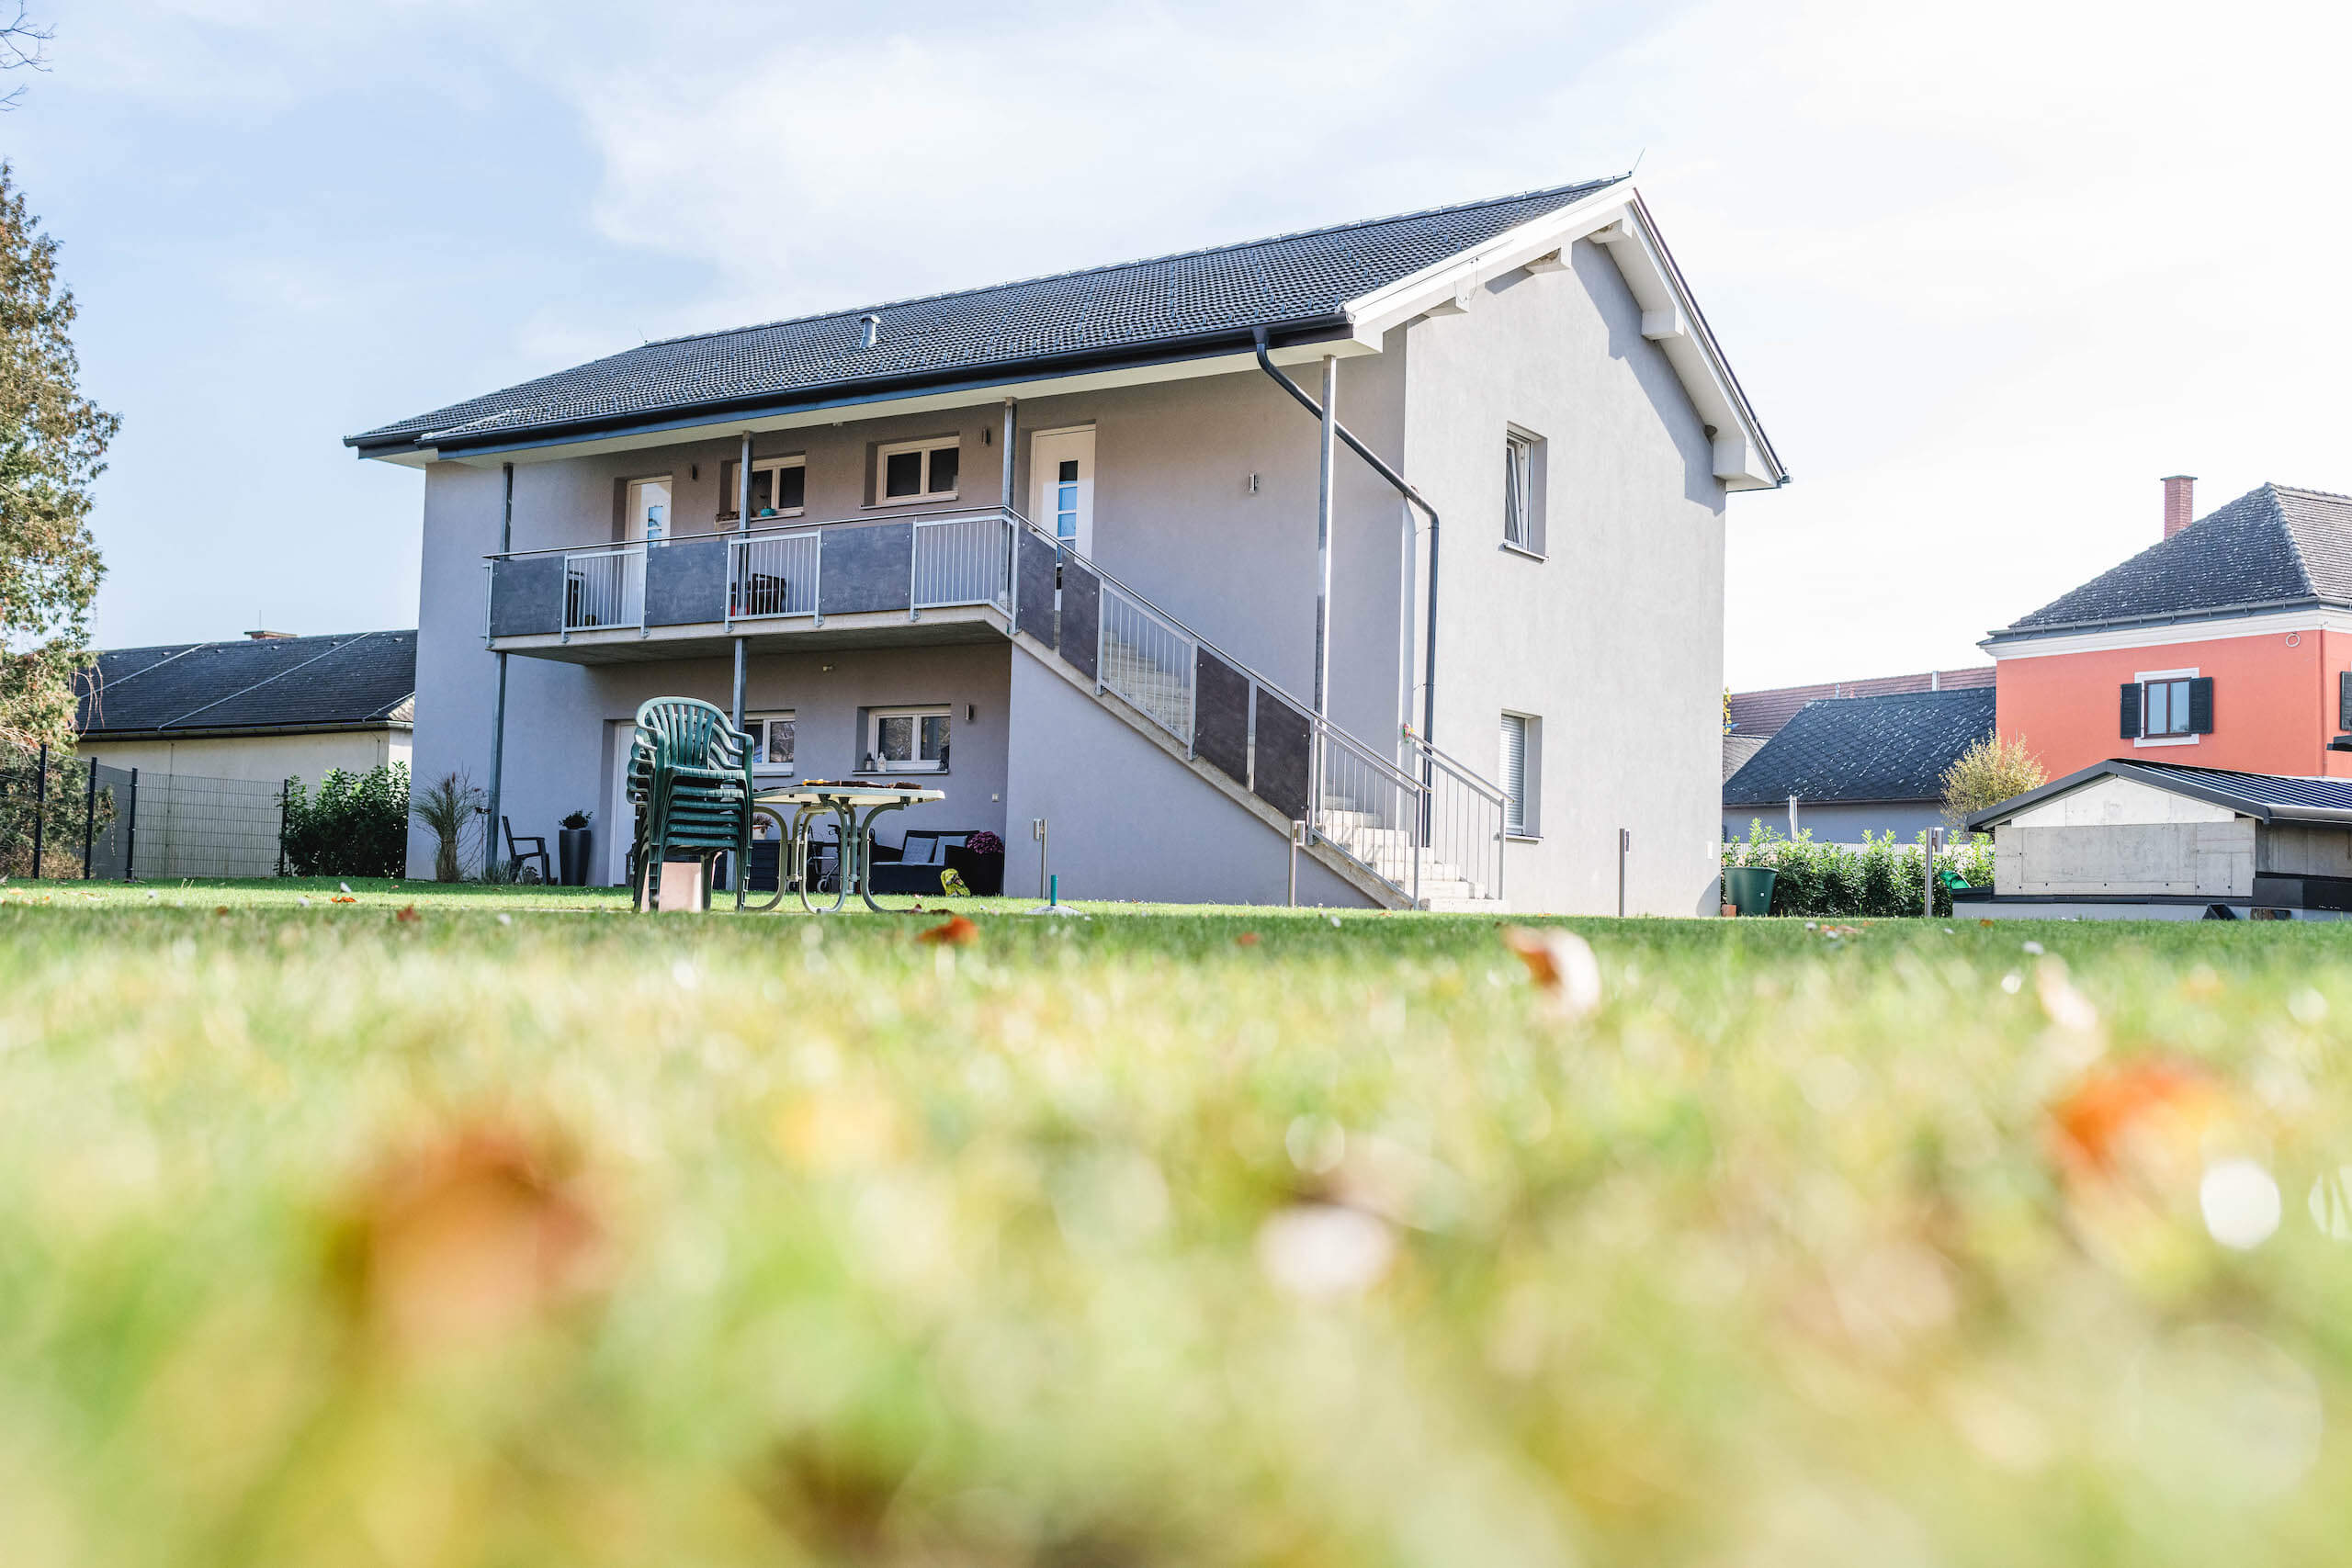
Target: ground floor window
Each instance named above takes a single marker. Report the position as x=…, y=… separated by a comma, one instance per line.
x=771, y=737
x=1522, y=737
x=906, y=741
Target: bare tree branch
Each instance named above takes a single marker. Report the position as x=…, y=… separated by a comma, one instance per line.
x=22, y=47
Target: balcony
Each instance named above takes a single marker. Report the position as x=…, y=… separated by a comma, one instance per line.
x=937, y=577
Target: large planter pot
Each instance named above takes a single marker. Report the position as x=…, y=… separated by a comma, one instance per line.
x=571, y=855
x=1749, y=888
x=983, y=873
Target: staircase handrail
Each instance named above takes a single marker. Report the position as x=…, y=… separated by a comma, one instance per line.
x=1493, y=792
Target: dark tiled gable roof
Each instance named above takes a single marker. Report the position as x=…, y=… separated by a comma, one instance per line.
x=2270, y=547
x=2269, y=797
x=1762, y=713
x=303, y=683
x=1889, y=747
x=1289, y=278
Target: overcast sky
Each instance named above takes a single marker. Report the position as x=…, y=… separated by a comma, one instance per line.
x=1987, y=272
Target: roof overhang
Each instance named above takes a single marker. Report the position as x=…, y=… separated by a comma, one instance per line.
x=243, y=731
x=2154, y=778
x=1296, y=343
x=2150, y=631
x=1616, y=220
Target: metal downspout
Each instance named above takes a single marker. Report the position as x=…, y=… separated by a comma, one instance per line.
x=1412, y=496
x=742, y=526
x=1011, y=529
x=498, y=708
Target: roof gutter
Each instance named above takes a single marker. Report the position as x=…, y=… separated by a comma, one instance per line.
x=851, y=392
x=1412, y=496
x=242, y=731
x=2177, y=618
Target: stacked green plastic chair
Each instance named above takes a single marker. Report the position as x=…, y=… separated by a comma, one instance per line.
x=690, y=780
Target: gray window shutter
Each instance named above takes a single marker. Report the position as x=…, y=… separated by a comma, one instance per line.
x=2131, y=710
x=2200, y=706
x=1515, y=780
x=2344, y=701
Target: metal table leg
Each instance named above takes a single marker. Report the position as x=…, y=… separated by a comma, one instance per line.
x=865, y=854
x=802, y=822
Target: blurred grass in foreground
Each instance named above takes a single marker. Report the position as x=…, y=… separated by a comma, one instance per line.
x=328, y=1237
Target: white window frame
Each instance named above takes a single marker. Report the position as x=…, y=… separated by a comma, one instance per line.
x=763, y=466
x=755, y=725
x=2146, y=678
x=1528, y=824
x=873, y=747
x=926, y=495
x=1524, y=484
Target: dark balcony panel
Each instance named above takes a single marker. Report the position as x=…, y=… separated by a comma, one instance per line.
x=1221, y=715
x=526, y=596
x=1034, y=612
x=686, y=581
x=1081, y=613
x=867, y=568
x=1285, y=741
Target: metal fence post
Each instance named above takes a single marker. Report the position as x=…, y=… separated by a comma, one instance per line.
x=1928, y=888
x=40, y=806
x=131, y=829
x=89, y=815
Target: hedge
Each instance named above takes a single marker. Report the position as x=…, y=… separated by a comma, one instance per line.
x=355, y=825
x=1836, y=881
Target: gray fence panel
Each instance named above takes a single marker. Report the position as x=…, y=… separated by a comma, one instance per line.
x=526, y=596
x=108, y=815
x=686, y=581
x=1081, y=617
x=1285, y=741
x=867, y=568
x=1035, y=612
x=1221, y=715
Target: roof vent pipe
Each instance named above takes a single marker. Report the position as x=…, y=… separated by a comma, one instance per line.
x=872, y=326
x=2181, y=508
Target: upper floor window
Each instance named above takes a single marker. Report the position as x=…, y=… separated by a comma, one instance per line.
x=917, y=470
x=2168, y=704
x=1523, y=487
x=779, y=487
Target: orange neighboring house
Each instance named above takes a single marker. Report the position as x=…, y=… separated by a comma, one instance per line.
x=2226, y=644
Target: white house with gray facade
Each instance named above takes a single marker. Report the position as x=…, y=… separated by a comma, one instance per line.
x=1410, y=531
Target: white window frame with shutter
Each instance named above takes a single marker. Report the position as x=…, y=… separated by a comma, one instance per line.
x=1522, y=774
x=920, y=763
x=765, y=729
x=2179, y=736
x=1523, y=491
x=924, y=495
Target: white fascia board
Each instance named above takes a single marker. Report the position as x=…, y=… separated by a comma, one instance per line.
x=1615, y=217
x=891, y=407
x=2108, y=640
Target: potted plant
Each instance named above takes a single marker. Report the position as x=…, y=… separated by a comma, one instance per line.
x=571, y=849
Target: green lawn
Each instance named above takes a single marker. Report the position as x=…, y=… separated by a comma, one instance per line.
x=497, y=1235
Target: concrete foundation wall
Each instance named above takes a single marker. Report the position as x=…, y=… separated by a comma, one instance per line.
x=1841, y=823
x=2210, y=859
x=2306, y=849
x=1128, y=821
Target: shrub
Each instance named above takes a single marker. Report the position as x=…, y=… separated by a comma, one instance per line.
x=64, y=812
x=1879, y=881
x=355, y=825
x=1988, y=773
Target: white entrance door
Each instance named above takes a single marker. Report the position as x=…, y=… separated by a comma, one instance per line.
x=647, y=513
x=1061, y=469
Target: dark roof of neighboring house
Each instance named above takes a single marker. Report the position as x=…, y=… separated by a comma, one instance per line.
x=1762, y=713
x=1857, y=749
x=2271, y=548
x=352, y=681
x=1295, y=280
x=2268, y=796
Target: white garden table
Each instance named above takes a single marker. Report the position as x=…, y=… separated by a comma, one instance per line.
x=855, y=807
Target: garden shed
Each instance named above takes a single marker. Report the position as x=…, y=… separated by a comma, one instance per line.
x=2155, y=840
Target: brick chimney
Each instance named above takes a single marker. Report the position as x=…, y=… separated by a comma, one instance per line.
x=2181, y=508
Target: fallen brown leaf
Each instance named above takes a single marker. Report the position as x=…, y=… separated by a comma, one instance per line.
x=957, y=932
x=408, y=912
x=1247, y=939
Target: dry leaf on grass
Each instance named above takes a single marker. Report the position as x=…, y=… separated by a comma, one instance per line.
x=1562, y=964
x=957, y=932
